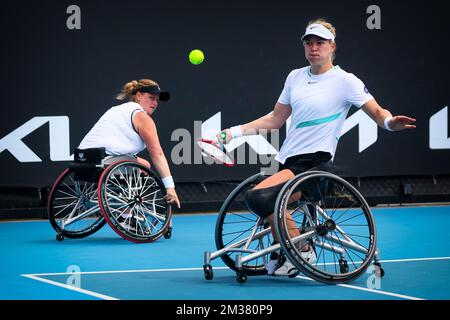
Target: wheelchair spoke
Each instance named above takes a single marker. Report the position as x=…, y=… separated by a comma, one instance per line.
x=338, y=194
x=145, y=187
x=346, y=248
x=334, y=254
x=160, y=217
x=353, y=240
x=74, y=194
x=154, y=204
x=117, y=184
x=66, y=198
x=241, y=232
x=64, y=207
x=118, y=198
x=355, y=235
x=321, y=196
x=244, y=217
x=347, y=219
x=120, y=210
x=154, y=196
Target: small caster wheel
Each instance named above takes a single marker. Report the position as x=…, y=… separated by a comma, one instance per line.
x=59, y=237
x=240, y=277
x=209, y=274
x=379, y=271
x=168, y=233
x=343, y=266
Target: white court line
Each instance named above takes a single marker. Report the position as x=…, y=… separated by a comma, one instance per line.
x=69, y=287
x=194, y=269
x=387, y=293
x=37, y=277
x=117, y=271
x=416, y=259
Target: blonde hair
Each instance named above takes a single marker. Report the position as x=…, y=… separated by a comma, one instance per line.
x=128, y=90
x=325, y=23
x=330, y=27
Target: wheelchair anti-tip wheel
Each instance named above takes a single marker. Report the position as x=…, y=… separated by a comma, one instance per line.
x=131, y=198
x=236, y=224
x=331, y=216
x=73, y=209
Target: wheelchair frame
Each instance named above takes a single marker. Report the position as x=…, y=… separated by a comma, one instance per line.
x=244, y=255
x=90, y=195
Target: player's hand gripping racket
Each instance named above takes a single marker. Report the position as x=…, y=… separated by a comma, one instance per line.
x=216, y=151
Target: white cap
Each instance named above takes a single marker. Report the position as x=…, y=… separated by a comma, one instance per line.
x=319, y=30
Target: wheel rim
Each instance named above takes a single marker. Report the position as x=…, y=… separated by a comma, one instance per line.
x=339, y=220
x=70, y=200
x=133, y=201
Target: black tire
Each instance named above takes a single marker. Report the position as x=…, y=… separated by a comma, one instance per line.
x=235, y=222
x=344, y=216
x=208, y=272
x=241, y=277
x=379, y=271
x=168, y=233
x=131, y=189
x=68, y=196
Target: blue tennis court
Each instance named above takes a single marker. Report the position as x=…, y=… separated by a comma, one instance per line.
x=414, y=243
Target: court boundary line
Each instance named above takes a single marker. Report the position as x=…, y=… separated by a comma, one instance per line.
x=197, y=268
x=382, y=292
x=69, y=287
x=37, y=276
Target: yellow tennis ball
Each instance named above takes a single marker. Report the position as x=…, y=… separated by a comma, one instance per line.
x=196, y=56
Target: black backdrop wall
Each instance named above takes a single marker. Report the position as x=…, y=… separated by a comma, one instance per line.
x=56, y=82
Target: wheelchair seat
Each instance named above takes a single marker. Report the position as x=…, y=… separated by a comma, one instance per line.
x=86, y=164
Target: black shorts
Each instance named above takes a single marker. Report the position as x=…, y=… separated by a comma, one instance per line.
x=308, y=162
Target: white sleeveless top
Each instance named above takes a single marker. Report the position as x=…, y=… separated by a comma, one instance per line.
x=114, y=131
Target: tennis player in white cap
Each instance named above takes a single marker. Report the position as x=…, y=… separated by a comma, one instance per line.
x=318, y=98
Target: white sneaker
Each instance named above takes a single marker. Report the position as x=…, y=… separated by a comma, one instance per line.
x=287, y=269
x=309, y=256
x=271, y=266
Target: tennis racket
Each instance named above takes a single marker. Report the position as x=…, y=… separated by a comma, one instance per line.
x=214, y=150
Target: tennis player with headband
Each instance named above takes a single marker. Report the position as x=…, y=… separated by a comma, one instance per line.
x=318, y=97
x=128, y=128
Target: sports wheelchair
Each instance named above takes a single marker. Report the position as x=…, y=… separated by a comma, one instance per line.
x=331, y=215
x=96, y=189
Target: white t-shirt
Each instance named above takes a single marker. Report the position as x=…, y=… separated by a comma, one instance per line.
x=114, y=131
x=320, y=104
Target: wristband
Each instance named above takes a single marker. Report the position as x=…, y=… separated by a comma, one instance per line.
x=236, y=131
x=386, y=125
x=168, y=182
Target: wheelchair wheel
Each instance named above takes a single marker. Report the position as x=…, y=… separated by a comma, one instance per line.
x=334, y=218
x=236, y=223
x=72, y=208
x=131, y=198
